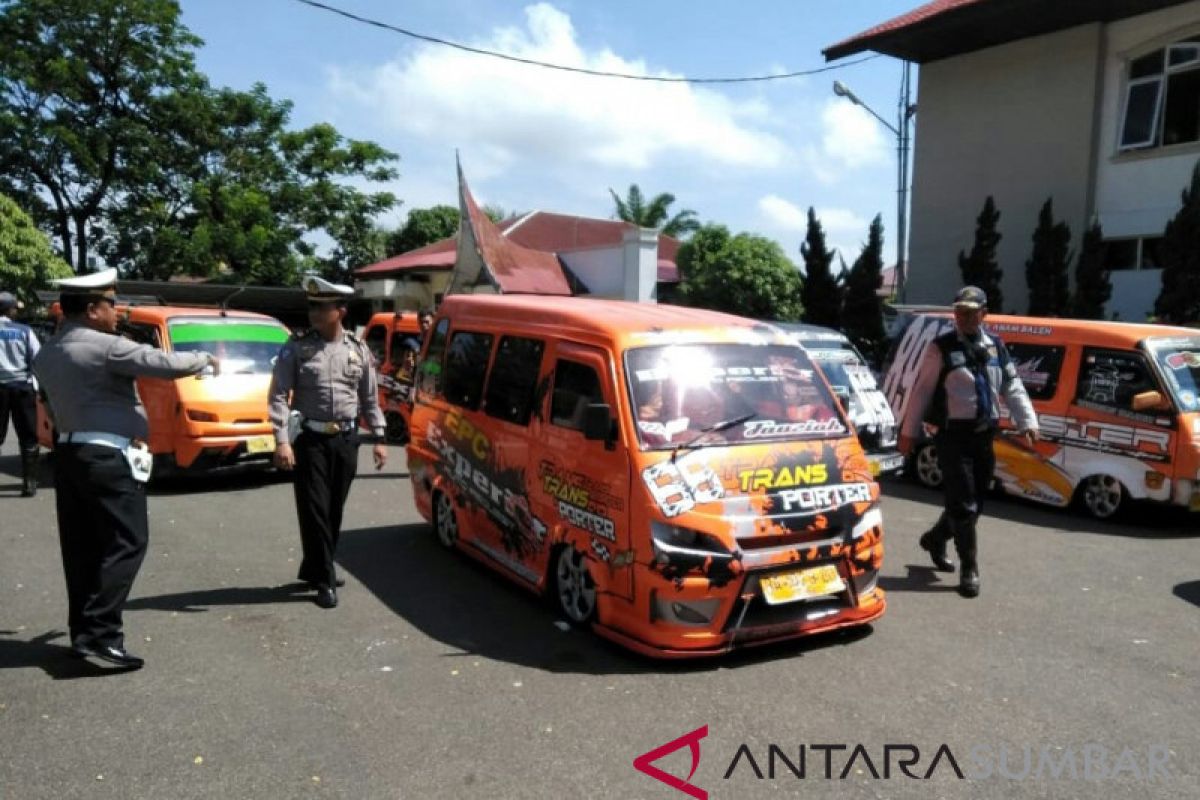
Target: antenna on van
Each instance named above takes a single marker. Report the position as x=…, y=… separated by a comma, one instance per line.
x=230, y=296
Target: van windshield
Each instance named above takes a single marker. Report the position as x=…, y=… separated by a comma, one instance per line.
x=1179, y=360
x=244, y=345
x=843, y=367
x=679, y=391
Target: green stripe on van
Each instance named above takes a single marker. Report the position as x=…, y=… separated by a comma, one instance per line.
x=190, y=332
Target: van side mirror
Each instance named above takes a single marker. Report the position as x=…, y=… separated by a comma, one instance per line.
x=1149, y=401
x=597, y=422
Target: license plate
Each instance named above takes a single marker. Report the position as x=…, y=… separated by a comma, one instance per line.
x=787, y=587
x=882, y=464
x=1194, y=505
x=260, y=444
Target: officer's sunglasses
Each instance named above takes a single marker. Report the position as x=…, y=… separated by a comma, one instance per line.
x=111, y=302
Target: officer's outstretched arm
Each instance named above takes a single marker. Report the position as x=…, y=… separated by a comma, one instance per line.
x=142, y=360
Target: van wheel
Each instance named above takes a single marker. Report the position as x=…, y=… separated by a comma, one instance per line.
x=574, y=586
x=396, y=431
x=925, y=466
x=445, y=520
x=1102, y=496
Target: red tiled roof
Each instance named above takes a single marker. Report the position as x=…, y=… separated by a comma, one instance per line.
x=515, y=268
x=944, y=28
x=544, y=231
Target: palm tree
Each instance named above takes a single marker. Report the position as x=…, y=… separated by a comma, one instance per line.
x=656, y=213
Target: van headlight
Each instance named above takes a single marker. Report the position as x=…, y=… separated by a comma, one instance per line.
x=670, y=539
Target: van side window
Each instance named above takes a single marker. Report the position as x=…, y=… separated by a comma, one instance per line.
x=1111, y=378
x=575, y=387
x=1039, y=366
x=376, y=342
x=396, y=346
x=466, y=367
x=430, y=369
x=141, y=334
x=513, y=382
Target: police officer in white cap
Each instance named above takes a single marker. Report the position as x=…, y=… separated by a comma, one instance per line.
x=327, y=376
x=100, y=462
x=18, y=346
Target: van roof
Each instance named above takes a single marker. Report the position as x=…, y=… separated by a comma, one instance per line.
x=1105, y=333
x=163, y=313
x=594, y=317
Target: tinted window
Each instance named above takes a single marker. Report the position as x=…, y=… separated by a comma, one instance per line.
x=1039, y=367
x=466, y=368
x=430, y=368
x=376, y=341
x=142, y=334
x=513, y=384
x=576, y=386
x=1111, y=378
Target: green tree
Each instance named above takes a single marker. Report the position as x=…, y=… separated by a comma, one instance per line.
x=743, y=274
x=27, y=261
x=980, y=268
x=862, y=310
x=1179, y=300
x=237, y=192
x=820, y=291
x=1092, y=285
x=656, y=213
x=423, y=226
x=1046, y=268
x=80, y=81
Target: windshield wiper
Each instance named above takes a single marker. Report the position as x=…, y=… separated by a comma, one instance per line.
x=716, y=427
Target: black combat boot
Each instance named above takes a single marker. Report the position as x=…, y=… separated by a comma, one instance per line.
x=29, y=473
x=934, y=540
x=966, y=542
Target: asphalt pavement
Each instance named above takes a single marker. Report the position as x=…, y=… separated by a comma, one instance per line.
x=1074, y=674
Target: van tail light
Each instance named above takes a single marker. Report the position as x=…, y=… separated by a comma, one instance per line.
x=201, y=416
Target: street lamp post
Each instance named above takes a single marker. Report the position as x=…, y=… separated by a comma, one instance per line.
x=902, y=132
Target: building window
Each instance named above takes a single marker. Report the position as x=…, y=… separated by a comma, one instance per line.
x=1162, y=98
x=1132, y=253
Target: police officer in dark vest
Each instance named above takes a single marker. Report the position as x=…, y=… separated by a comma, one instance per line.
x=18, y=347
x=326, y=375
x=962, y=375
x=101, y=461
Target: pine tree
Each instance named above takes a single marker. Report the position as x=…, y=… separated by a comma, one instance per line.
x=1092, y=286
x=980, y=267
x=862, y=311
x=1179, y=300
x=820, y=294
x=1046, y=269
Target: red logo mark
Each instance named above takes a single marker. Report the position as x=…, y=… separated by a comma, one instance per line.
x=645, y=763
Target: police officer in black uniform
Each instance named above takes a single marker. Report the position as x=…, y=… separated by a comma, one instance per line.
x=100, y=460
x=962, y=375
x=327, y=376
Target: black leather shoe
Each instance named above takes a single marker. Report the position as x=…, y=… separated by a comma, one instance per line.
x=326, y=597
x=339, y=583
x=82, y=649
x=938, y=554
x=115, y=655
x=968, y=585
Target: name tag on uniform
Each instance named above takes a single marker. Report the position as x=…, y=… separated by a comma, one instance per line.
x=958, y=359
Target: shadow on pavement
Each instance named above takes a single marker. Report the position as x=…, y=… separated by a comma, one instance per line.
x=230, y=481
x=454, y=600
x=201, y=600
x=55, y=660
x=920, y=579
x=1189, y=591
x=1143, y=520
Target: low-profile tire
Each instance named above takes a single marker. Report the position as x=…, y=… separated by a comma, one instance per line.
x=445, y=520
x=1102, y=496
x=573, y=586
x=925, y=467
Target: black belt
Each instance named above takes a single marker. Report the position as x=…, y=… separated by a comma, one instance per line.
x=328, y=427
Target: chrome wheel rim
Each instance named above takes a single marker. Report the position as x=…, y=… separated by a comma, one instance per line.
x=928, y=471
x=446, y=523
x=1102, y=495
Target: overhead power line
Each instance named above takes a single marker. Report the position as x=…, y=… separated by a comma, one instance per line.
x=581, y=70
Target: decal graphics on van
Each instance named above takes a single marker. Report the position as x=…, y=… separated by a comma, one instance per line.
x=581, y=502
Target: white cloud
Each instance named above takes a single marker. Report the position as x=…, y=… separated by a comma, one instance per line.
x=783, y=214
x=501, y=112
x=852, y=137
x=845, y=230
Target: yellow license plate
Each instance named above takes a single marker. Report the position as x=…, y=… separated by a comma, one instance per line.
x=787, y=587
x=260, y=444
x=874, y=468
x=1194, y=505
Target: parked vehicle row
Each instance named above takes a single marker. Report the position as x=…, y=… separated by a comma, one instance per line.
x=1118, y=406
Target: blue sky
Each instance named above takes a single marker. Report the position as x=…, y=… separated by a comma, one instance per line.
x=752, y=157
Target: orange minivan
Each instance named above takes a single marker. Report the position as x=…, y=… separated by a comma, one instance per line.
x=204, y=422
x=681, y=480
x=387, y=335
